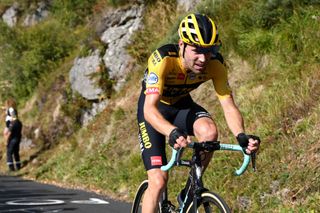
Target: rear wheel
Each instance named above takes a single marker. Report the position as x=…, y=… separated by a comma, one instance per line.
x=210, y=202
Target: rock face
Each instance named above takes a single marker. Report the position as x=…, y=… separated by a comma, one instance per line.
x=89, y=114
x=187, y=5
x=115, y=31
x=38, y=15
x=120, y=26
x=81, y=76
x=117, y=28
x=10, y=16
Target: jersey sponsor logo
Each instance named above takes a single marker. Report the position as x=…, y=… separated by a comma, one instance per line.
x=192, y=76
x=156, y=56
x=154, y=62
x=156, y=161
x=152, y=78
x=172, y=53
x=201, y=78
x=178, y=90
x=203, y=114
x=181, y=76
x=144, y=136
x=171, y=78
x=140, y=142
x=175, y=92
x=152, y=90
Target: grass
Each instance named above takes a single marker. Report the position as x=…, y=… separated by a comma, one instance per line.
x=274, y=72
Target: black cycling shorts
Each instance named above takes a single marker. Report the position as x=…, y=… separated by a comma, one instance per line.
x=152, y=143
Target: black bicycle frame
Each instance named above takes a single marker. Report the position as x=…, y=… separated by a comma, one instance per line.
x=196, y=184
x=196, y=177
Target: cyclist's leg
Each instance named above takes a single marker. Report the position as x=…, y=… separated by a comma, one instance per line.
x=205, y=129
x=157, y=181
x=152, y=145
x=198, y=122
x=153, y=155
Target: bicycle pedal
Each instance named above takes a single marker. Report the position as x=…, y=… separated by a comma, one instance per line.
x=168, y=207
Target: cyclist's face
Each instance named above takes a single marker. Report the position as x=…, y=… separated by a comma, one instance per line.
x=196, y=58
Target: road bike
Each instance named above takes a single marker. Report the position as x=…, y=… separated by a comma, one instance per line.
x=198, y=199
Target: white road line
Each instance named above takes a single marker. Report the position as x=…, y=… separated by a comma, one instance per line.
x=90, y=201
x=38, y=202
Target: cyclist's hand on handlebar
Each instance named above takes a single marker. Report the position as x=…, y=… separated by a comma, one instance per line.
x=253, y=145
x=178, y=138
x=249, y=143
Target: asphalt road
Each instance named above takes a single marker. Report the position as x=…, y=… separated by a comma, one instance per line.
x=19, y=195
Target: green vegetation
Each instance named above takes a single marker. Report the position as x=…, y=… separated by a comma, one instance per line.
x=32, y=54
x=158, y=13
x=72, y=13
x=29, y=54
x=272, y=51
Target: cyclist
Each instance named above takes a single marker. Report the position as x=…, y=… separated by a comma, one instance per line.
x=165, y=107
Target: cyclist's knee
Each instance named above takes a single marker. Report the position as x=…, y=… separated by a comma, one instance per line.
x=206, y=130
x=157, y=180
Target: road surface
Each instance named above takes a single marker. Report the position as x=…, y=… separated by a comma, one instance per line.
x=19, y=195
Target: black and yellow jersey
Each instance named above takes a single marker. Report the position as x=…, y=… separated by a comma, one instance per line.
x=166, y=76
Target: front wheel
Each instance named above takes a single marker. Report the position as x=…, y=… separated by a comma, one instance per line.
x=210, y=202
x=137, y=202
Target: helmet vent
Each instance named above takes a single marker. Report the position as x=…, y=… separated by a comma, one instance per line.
x=185, y=34
x=195, y=37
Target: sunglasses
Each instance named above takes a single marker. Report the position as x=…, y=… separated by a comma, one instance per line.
x=204, y=50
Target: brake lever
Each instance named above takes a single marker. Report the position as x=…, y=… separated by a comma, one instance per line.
x=253, y=161
x=179, y=155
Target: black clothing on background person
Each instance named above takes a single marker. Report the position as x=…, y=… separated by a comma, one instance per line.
x=9, y=113
x=13, y=144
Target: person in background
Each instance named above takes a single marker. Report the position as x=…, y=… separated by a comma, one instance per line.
x=10, y=104
x=13, y=137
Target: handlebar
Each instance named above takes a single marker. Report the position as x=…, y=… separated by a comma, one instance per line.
x=217, y=146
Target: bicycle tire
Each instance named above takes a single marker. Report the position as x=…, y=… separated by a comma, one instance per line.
x=136, y=207
x=210, y=202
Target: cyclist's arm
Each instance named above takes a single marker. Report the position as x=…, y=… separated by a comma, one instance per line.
x=153, y=115
x=232, y=114
x=235, y=122
x=223, y=91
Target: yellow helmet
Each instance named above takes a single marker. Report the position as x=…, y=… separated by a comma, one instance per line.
x=198, y=29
